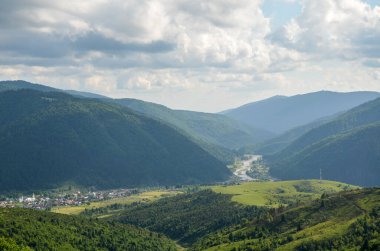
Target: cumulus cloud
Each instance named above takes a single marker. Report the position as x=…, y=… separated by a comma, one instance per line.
x=151, y=47
x=348, y=29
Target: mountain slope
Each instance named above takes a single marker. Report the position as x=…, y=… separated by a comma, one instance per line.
x=352, y=157
x=24, y=229
x=345, y=149
x=48, y=139
x=283, y=140
x=280, y=113
x=212, y=128
x=343, y=221
x=216, y=133
x=362, y=115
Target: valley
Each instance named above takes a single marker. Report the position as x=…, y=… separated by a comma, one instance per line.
x=84, y=166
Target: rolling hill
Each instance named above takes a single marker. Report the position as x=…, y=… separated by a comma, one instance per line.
x=279, y=114
x=321, y=214
x=345, y=148
x=48, y=139
x=343, y=221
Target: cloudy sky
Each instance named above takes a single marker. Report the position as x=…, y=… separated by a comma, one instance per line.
x=197, y=55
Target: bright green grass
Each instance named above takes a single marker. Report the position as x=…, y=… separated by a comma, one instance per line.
x=145, y=196
x=273, y=194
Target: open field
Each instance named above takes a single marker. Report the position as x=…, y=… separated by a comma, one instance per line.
x=277, y=193
x=145, y=196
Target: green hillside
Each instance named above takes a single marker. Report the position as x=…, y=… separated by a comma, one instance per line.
x=330, y=217
x=352, y=157
x=214, y=129
x=345, y=148
x=48, y=139
x=23, y=229
x=192, y=216
x=343, y=221
x=280, y=142
x=362, y=115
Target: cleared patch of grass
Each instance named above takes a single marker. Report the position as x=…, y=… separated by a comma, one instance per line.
x=273, y=194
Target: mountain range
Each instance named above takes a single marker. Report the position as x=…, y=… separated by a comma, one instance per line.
x=50, y=137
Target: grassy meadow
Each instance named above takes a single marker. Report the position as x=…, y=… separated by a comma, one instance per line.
x=273, y=194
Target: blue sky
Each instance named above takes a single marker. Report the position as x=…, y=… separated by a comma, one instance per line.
x=196, y=55
x=281, y=12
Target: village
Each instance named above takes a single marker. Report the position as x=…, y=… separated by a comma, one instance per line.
x=77, y=198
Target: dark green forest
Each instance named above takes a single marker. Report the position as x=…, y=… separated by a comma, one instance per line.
x=190, y=216
x=24, y=229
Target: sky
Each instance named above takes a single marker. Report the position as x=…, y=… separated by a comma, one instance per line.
x=194, y=55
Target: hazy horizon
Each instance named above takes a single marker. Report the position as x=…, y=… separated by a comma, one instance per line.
x=193, y=55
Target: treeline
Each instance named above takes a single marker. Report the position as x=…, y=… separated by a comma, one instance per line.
x=23, y=229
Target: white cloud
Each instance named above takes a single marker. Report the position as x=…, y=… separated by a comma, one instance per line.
x=346, y=29
x=220, y=53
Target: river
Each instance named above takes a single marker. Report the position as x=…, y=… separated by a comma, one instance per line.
x=241, y=171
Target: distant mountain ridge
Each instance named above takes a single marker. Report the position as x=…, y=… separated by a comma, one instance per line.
x=279, y=114
x=48, y=139
x=9, y=85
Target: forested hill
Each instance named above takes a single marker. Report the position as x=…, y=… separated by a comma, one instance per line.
x=26, y=230
x=189, y=217
x=346, y=149
x=214, y=129
x=48, y=139
x=280, y=113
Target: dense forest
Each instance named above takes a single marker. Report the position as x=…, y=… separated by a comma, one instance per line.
x=49, y=138
x=190, y=216
x=23, y=229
